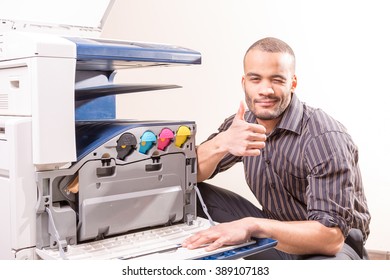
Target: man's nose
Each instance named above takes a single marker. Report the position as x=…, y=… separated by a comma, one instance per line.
x=265, y=88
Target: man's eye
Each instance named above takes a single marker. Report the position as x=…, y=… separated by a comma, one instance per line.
x=278, y=81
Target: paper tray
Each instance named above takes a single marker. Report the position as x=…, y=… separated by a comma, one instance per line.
x=113, y=89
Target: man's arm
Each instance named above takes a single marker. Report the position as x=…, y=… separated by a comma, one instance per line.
x=298, y=237
x=241, y=139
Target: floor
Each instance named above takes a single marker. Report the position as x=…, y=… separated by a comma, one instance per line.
x=378, y=255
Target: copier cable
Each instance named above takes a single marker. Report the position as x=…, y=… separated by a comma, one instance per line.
x=204, y=207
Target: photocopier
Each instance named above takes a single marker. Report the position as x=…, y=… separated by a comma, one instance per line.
x=75, y=181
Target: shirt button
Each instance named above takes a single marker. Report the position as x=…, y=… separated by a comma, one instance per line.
x=272, y=185
x=267, y=161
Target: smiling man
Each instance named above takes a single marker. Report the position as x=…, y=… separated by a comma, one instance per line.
x=299, y=162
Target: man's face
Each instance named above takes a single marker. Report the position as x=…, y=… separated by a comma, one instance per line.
x=268, y=83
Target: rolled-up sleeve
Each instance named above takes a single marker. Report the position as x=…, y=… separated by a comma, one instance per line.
x=334, y=175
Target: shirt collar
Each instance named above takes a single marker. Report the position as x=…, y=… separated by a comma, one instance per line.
x=291, y=119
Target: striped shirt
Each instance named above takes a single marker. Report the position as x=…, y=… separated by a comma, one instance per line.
x=308, y=170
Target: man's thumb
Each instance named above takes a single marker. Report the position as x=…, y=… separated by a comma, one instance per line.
x=241, y=111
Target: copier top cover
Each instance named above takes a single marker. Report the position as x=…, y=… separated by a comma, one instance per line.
x=109, y=55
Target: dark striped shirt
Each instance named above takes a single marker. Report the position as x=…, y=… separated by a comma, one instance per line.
x=308, y=170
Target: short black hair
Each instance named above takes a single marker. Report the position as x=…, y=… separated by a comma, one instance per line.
x=272, y=45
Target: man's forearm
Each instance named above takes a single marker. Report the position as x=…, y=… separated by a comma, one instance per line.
x=209, y=154
x=298, y=237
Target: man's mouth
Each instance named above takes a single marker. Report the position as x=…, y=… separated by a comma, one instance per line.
x=266, y=102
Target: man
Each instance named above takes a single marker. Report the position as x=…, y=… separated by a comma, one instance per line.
x=300, y=163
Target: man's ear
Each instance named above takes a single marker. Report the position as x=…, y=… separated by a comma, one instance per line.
x=243, y=82
x=294, y=83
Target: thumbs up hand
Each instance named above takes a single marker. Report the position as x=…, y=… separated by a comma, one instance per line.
x=243, y=138
x=240, y=139
x=241, y=112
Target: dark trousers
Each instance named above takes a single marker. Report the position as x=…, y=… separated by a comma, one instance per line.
x=226, y=206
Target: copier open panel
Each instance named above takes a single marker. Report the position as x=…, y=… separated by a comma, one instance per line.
x=131, y=177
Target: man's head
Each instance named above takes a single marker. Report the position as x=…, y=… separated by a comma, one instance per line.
x=272, y=45
x=269, y=79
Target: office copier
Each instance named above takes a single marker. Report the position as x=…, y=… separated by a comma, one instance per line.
x=75, y=181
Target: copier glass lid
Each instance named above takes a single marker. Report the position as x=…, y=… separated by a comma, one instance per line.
x=59, y=17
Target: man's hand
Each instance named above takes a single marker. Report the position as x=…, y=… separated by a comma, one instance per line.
x=294, y=237
x=231, y=233
x=243, y=138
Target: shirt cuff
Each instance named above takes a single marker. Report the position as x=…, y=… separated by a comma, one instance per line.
x=330, y=221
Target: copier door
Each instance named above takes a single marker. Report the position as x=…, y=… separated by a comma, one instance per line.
x=114, y=199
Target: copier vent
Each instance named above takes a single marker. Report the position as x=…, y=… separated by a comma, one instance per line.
x=3, y=101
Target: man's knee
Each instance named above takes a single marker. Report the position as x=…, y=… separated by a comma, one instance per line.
x=356, y=242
